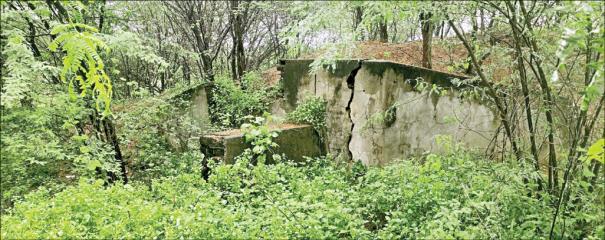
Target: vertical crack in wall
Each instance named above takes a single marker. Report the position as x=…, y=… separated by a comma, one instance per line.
x=351, y=85
x=315, y=85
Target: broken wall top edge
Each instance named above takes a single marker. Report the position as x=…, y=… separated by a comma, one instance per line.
x=231, y=133
x=365, y=60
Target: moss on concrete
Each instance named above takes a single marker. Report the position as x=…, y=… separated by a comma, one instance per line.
x=412, y=73
x=344, y=67
x=296, y=142
x=292, y=71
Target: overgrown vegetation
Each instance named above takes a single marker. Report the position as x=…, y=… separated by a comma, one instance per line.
x=232, y=103
x=311, y=111
x=457, y=195
x=98, y=139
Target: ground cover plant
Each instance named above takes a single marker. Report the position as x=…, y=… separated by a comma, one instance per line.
x=457, y=195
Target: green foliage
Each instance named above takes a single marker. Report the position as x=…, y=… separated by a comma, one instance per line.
x=49, y=143
x=23, y=71
x=311, y=111
x=159, y=137
x=230, y=104
x=41, y=146
x=597, y=151
x=260, y=136
x=83, y=68
x=446, y=196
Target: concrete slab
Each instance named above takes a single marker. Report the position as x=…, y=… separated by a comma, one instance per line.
x=295, y=141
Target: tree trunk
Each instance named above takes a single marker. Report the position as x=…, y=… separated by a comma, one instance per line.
x=502, y=112
x=237, y=18
x=427, y=38
x=112, y=139
x=525, y=90
x=383, y=32
x=358, y=11
x=547, y=98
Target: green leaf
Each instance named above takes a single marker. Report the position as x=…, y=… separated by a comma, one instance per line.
x=596, y=151
x=84, y=149
x=93, y=164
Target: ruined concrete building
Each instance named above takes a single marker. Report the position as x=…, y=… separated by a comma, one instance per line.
x=375, y=114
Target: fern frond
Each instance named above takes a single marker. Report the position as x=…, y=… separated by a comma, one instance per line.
x=82, y=60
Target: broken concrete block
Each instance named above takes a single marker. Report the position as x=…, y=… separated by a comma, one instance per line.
x=295, y=141
x=358, y=92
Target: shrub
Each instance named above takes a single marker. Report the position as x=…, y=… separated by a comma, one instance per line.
x=446, y=196
x=158, y=138
x=311, y=111
x=39, y=147
x=230, y=103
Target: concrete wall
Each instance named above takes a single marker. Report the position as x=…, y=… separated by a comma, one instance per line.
x=198, y=108
x=197, y=111
x=295, y=141
x=358, y=91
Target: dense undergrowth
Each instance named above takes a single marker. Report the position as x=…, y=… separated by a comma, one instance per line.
x=230, y=103
x=454, y=195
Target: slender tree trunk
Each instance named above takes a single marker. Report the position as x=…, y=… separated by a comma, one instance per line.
x=574, y=155
x=186, y=71
x=502, y=112
x=237, y=17
x=358, y=12
x=525, y=91
x=104, y=130
x=207, y=65
x=112, y=139
x=383, y=31
x=102, y=16
x=427, y=38
x=469, y=69
x=548, y=100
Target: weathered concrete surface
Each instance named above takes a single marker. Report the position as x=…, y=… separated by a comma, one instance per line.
x=198, y=98
x=359, y=90
x=416, y=118
x=295, y=141
x=330, y=85
x=193, y=107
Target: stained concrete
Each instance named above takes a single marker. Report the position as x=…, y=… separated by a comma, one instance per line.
x=414, y=120
x=198, y=98
x=193, y=103
x=295, y=141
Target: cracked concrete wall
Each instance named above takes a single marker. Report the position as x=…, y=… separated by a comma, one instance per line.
x=330, y=85
x=414, y=120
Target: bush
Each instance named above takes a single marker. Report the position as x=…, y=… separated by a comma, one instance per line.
x=159, y=138
x=455, y=196
x=39, y=147
x=311, y=111
x=230, y=103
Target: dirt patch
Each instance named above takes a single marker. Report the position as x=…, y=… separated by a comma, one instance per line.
x=445, y=56
x=271, y=76
x=411, y=53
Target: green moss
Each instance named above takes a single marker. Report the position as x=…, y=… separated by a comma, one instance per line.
x=292, y=71
x=344, y=67
x=411, y=73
